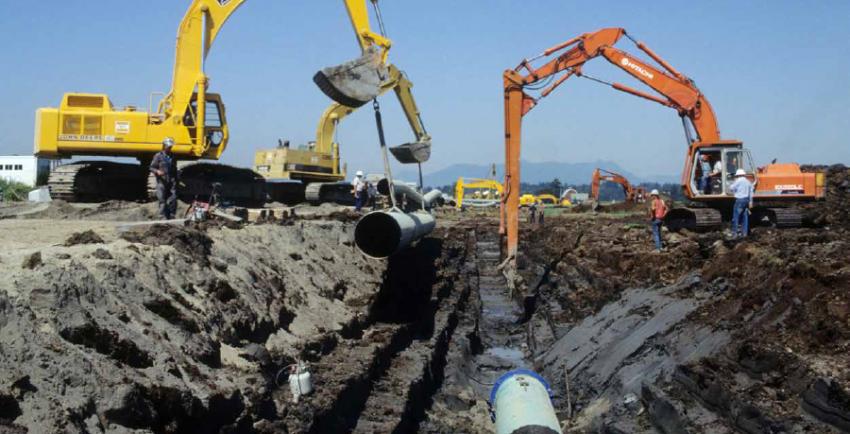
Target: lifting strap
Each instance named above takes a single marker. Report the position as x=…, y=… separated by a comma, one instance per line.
x=387, y=170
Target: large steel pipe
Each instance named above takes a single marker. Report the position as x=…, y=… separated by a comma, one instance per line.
x=522, y=405
x=433, y=198
x=382, y=233
x=405, y=191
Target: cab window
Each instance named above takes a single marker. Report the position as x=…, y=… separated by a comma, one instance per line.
x=212, y=115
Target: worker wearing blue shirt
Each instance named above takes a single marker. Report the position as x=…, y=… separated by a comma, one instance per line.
x=742, y=188
x=705, y=177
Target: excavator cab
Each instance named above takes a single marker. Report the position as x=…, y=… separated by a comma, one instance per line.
x=713, y=170
x=214, y=121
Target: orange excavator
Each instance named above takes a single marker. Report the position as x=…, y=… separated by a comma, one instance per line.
x=777, y=185
x=633, y=193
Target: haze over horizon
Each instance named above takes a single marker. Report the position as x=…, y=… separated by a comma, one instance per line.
x=783, y=93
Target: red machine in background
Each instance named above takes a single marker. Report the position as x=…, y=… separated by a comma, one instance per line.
x=776, y=184
x=633, y=194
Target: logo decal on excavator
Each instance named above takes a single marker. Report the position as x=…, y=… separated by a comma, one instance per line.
x=628, y=63
x=223, y=2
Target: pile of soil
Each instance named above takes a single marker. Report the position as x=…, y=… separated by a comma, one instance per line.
x=834, y=210
x=87, y=237
x=190, y=241
x=173, y=329
x=113, y=210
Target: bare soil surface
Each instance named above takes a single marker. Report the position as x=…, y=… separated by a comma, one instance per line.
x=173, y=328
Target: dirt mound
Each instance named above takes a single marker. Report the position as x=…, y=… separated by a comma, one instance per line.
x=616, y=207
x=157, y=340
x=87, y=237
x=107, y=211
x=33, y=261
x=834, y=210
x=192, y=242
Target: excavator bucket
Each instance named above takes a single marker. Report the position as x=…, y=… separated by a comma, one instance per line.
x=355, y=82
x=412, y=153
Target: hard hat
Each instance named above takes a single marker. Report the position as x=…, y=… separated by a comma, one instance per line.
x=740, y=172
x=359, y=173
x=168, y=142
x=654, y=193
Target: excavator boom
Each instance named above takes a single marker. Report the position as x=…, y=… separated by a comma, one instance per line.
x=672, y=89
x=632, y=194
x=197, y=32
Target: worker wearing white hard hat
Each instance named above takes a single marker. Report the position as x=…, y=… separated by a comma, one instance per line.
x=358, y=188
x=657, y=212
x=164, y=168
x=742, y=188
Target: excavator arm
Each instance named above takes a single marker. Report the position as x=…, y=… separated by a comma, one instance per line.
x=336, y=83
x=359, y=15
x=600, y=175
x=195, y=36
x=408, y=104
x=566, y=60
x=336, y=112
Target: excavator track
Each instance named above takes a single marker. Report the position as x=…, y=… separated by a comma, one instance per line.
x=694, y=219
x=785, y=217
x=290, y=193
x=97, y=181
x=329, y=192
x=239, y=187
x=100, y=181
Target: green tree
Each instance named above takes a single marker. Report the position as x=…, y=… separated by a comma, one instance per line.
x=556, y=186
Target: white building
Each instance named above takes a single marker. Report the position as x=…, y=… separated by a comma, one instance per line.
x=25, y=169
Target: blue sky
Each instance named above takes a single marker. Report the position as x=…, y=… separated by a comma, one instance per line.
x=776, y=73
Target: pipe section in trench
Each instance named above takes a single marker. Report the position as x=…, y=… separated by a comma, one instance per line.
x=404, y=191
x=381, y=234
x=521, y=404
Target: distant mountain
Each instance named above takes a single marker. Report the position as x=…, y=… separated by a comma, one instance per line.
x=568, y=173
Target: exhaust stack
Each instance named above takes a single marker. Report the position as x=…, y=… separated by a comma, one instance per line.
x=522, y=405
x=355, y=82
x=381, y=234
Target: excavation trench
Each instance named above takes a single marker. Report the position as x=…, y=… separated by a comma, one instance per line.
x=171, y=329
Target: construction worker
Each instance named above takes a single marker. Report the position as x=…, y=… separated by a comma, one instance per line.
x=705, y=177
x=657, y=211
x=742, y=188
x=540, y=217
x=372, y=191
x=359, y=189
x=532, y=212
x=164, y=168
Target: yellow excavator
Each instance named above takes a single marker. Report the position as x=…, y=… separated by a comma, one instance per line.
x=318, y=165
x=487, y=192
x=88, y=124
